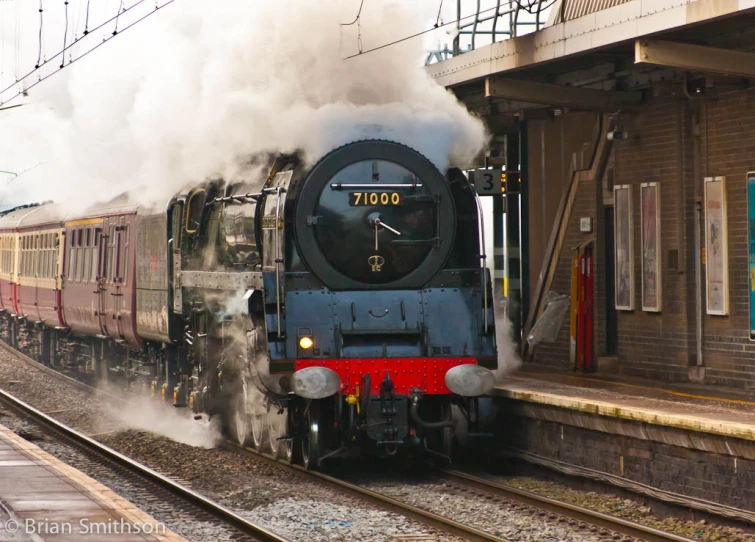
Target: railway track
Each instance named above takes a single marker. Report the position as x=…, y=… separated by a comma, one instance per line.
x=584, y=518
x=589, y=520
x=561, y=511
x=385, y=502
x=163, y=486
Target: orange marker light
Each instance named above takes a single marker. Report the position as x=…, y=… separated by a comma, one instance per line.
x=306, y=342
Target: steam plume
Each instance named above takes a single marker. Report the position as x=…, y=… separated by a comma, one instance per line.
x=508, y=356
x=195, y=90
x=144, y=414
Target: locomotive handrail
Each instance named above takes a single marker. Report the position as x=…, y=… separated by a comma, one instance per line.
x=278, y=257
x=339, y=186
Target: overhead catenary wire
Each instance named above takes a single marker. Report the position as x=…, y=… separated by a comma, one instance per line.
x=100, y=44
x=436, y=26
x=412, y=36
x=356, y=19
x=101, y=25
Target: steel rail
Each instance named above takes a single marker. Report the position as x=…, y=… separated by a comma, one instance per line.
x=216, y=509
x=599, y=519
x=384, y=502
x=365, y=495
x=585, y=515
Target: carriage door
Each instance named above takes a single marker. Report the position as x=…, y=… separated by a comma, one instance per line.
x=110, y=290
x=106, y=275
x=119, y=295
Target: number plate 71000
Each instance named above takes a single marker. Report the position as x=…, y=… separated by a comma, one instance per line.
x=360, y=199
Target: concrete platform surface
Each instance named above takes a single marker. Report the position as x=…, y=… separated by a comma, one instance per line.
x=42, y=498
x=689, y=407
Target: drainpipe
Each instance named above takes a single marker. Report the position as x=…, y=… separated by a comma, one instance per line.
x=698, y=284
x=698, y=374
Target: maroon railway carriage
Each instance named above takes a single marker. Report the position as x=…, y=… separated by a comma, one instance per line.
x=68, y=283
x=99, y=283
x=30, y=278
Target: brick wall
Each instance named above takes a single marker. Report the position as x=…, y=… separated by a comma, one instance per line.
x=728, y=149
x=710, y=476
x=663, y=147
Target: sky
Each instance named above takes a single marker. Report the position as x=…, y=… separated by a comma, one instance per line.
x=190, y=91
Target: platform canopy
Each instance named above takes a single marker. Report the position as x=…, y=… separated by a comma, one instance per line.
x=596, y=59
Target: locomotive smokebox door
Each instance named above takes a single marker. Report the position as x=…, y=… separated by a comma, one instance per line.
x=374, y=215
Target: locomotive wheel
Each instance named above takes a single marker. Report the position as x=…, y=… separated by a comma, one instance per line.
x=258, y=420
x=277, y=431
x=311, y=442
x=239, y=423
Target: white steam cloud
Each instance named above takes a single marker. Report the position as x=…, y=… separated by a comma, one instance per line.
x=145, y=414
x=508, y=355
x=196, y=89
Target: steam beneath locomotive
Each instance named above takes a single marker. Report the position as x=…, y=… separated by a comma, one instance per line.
x=192, y=92
x=145, y=414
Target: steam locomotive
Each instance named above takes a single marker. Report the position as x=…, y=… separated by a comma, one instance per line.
x=340, y=306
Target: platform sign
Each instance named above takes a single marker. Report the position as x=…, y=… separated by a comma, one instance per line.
x=488, y=182
x=751, y=246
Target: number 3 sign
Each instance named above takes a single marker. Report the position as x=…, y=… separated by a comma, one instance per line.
x=487, y=182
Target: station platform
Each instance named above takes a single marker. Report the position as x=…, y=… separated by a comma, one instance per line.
x=42, y=498
x=682, y=443
x=684, y=406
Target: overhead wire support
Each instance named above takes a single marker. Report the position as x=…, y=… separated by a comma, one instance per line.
x=120, y=8
x=358, y=22
x=65, y=37
x=422, y=32
x=41, y=21
x=86, y=21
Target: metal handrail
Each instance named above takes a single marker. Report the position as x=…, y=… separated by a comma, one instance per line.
x=483, y=257
x=278, y=257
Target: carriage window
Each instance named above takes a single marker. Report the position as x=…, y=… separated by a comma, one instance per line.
x=87, y=263
x=124, y=244
x=96, y=254
x=79, y=262
x=34, y=256
x=71, y=263
x=110, y=253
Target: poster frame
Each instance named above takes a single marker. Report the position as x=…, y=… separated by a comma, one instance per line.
x=708, y=184
x=657, y=306
x=619, y=211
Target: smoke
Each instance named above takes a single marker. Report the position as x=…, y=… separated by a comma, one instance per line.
x=196, y=90
x=508, y=356
x=145, y=414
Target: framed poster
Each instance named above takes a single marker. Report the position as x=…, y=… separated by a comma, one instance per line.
x=622, y=208
x=716, y=244
x=650, y=210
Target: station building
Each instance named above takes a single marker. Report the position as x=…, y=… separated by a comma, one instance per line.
x=624, y=128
